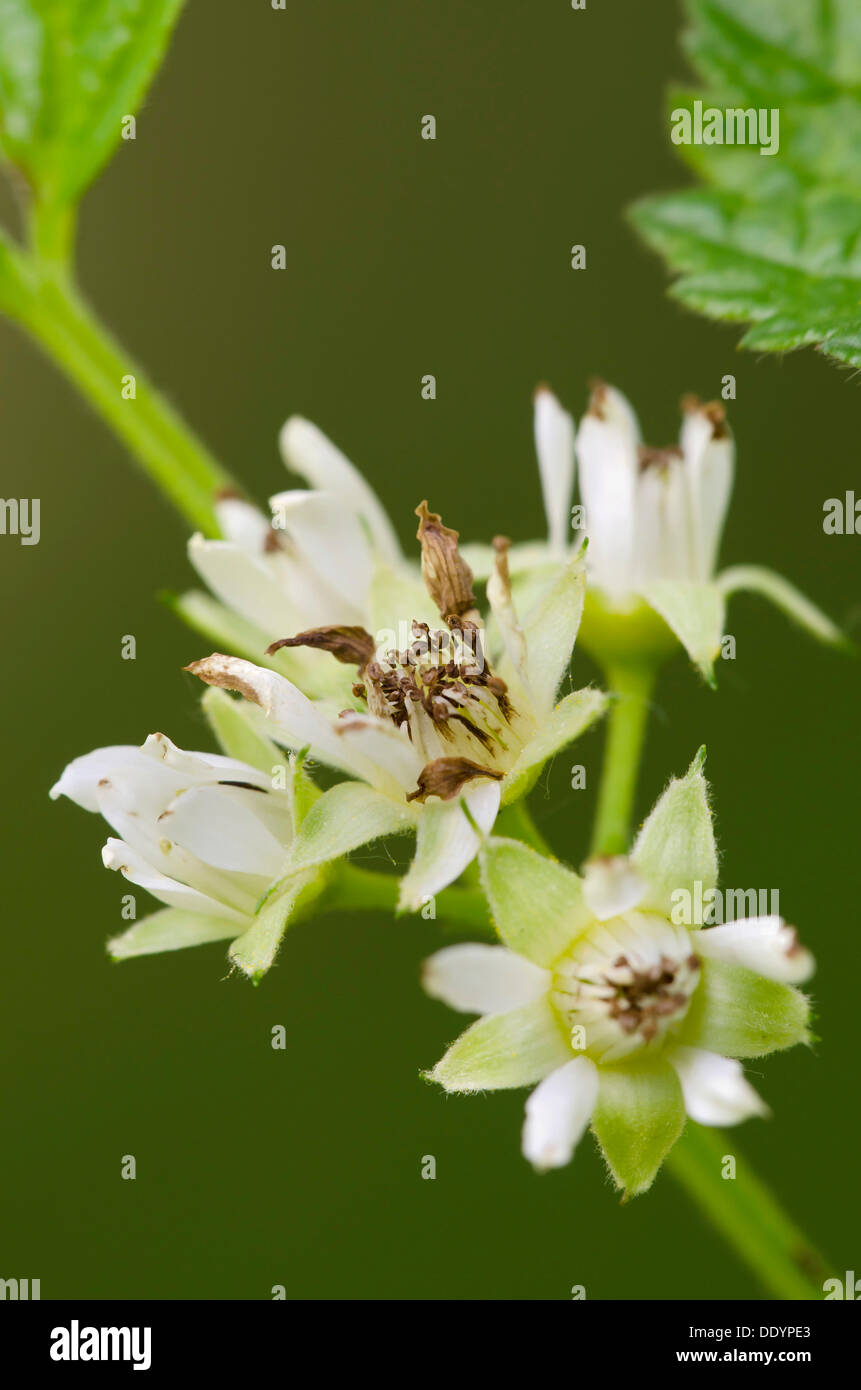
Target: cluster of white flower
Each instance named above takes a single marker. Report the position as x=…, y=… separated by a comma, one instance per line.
x=624, y=1019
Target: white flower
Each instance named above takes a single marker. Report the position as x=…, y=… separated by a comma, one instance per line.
x=327, y=554
x=624, y=1019
x=440, y=732
x=207, y=835
x=654, y=520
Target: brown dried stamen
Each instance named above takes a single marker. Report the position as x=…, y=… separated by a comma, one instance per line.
x=640, y=1003
x=445, y=777
x=447, y=576
x=351, y=645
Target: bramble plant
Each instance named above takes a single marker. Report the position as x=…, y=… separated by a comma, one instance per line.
x=436, y=707
x=771, y=242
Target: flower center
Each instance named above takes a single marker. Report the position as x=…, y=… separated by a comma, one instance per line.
x=625, y=986
x=442, y=689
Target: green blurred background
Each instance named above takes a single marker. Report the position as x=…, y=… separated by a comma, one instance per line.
x=405, y=257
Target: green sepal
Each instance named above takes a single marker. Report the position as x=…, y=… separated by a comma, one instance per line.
x=505, y=1050
x=676, y=845
x=171, y=929
x=639, y=1116
x=350, y=814
x=536, y=904
x=292, y=897
x=738, y=1013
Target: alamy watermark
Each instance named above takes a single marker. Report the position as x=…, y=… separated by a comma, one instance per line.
x=710, y=907
x=733, y=125
x=19, y=516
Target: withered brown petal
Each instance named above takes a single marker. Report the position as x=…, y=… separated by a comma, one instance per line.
x=444, y=778
x=447, y=576
x=219, y=670
x=351, y=645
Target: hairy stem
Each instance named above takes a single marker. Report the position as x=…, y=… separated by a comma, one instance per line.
x=631, y=688
x=43, y=300
x=516, y=822
x=372, y=890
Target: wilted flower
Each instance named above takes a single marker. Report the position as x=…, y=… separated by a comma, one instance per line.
x=623, y=1018
x=654, y=520
x=441, y=731
x=206, y=835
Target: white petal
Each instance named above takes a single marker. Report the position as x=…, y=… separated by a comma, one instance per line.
x=767, y=945
x=141, y=833
x=116, y=854
x=202, y=768
x=483, y=979
x=80, y=778
x=664, y=532
x=293, y=720
x=242, y=524
x=232, y=828
x=607, y=460
x=714, y=1088
x=309, y=453
x=330, y=537
x=612, y=886
x=446, y=842
x=383, y=743
x=709, y=453
x=557, y=1113
x=554, y=445
x=246, y=585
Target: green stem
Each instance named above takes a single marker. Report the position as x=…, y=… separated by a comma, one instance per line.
x=371, y=890
x=516, y=822
x=631, y=687
x=44, y=300
x=747, y=1214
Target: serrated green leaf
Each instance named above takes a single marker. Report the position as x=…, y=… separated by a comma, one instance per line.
x=70, y=70
x=773, y=241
